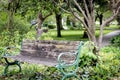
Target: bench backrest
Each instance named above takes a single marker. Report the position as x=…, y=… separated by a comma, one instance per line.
x=47, y=49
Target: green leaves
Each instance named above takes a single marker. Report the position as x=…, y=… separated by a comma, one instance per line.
x=87, y=57
x=116, y=40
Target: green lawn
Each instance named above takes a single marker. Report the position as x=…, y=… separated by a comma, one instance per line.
x=71, y=35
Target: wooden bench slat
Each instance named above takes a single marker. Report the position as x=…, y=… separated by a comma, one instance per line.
x=35, y=60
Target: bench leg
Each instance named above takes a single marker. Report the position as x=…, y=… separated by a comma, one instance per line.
x=10, y=64
x=20, y=69
x=6, y=69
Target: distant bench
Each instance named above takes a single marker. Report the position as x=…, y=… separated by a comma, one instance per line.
x=50, y=53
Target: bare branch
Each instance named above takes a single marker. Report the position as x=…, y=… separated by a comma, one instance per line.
x=92, y=11
x=77, y=16
x=80, y=19
x=116, y=11
x=86, y=8
x=112, y=17
x=47, y=16
x=60, y=7
x=117, y=4
x=112, y=3
x=82, y=11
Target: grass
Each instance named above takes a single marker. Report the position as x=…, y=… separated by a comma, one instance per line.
x=70, y=35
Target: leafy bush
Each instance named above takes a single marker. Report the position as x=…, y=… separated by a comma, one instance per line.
x=116, y=40
x=111, y=49
x=87, y=57
x=21, y=25
x=3, y=21
x=7, y=39
x=1, y=51
x=19, y=30
x=50, y=26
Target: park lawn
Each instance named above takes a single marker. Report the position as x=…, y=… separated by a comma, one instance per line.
x=70, y=35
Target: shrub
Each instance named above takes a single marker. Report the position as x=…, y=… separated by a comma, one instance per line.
x=50, y=26
x=7, y=39
x=3, y=21
x=87, y=57
x=19, y=30
x=116, y=40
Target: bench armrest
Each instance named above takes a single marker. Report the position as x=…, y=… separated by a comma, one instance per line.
x=10, y=50
x=67, y=66
x=66, y=59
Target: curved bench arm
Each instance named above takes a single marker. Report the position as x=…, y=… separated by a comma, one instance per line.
x=62, y=65
x=6, y=53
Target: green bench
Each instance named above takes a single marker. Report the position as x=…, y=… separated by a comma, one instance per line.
x=60, y=54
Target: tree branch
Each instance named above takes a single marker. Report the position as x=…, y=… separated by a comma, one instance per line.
x=105, y=22
x=112, y=17
x=82, y=11
x=87, y=10
x=82, y=21
x=60, y=7
x=47, y=16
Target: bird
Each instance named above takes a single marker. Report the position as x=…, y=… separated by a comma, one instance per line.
x=33, y=22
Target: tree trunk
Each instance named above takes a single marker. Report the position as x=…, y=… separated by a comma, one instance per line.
x=59, y=24
x=101, y=18
x=10, y=26
x=40, y=20
x=10, y=20
x=85, y=35
x=118, y=20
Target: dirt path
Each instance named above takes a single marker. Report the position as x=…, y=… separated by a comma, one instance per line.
x=109, y=36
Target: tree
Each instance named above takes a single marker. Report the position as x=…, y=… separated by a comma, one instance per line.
x=59, y=23
x=58, y=16
x=101, y=7
x=41, y=8
x=118, y=19
x=88, y=12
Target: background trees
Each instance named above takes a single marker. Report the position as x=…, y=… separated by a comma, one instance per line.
x=86, y=8
x=85, y=11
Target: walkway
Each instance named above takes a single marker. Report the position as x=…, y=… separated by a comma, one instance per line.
x=109, y=36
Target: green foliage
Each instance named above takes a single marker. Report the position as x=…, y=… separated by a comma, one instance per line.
x=21, y=25
x=19, y=30
x=116, y=40
x=107, y=67
x=50, y=26
x=31, y=8
x=73, y=23
x=87, y=57
x=2, y=51
x=111, y=49
x=3, y=21
x=6, y=38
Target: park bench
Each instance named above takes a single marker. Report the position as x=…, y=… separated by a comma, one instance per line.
x=61, y=54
